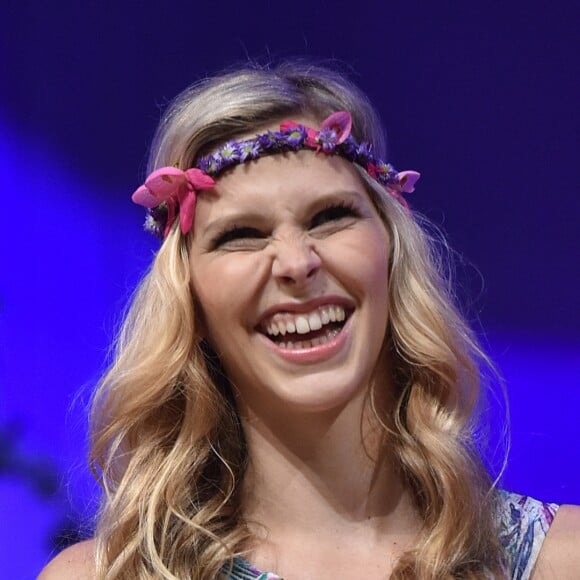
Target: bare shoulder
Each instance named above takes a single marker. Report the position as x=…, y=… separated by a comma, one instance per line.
x=77, y=561
x=559, y=558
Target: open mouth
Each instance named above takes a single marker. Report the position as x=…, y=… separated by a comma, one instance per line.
x=305, y=330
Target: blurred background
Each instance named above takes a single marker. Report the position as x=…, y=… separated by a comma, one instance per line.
x=482, y=98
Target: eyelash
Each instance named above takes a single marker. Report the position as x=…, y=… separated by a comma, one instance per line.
x=332, y=212
x=235, y=233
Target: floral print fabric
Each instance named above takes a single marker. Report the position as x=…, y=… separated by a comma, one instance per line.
x=523, y=525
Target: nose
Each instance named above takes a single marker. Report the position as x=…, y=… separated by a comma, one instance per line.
x=296, y=261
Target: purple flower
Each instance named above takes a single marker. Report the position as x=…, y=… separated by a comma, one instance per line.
x=349, y=149
x=210, y=164
x=268, y=140
x=295, y=136
x=387, y=170
x=155, y=220
x=204, y=163
x=280, y=141
x=228, y=154
x=383, y=172
x=328, y=138
x=365, y=152
x=249, y=149
x=215, y=164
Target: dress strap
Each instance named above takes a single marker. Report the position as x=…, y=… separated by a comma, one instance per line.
x=243, y=570
x=523, y=525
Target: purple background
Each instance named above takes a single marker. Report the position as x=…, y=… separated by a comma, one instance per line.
x=482, y=98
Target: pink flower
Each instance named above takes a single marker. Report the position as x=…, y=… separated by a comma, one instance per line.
x=405, y=184
x=372, y=170
x=334, y=130
x=339, y=122
x=407, y=180
x=310, y=139
x=177, y=189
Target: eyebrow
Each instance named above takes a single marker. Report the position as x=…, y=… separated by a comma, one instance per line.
x=257, y=218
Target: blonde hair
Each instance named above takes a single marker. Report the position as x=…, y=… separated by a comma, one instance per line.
x=167, y=443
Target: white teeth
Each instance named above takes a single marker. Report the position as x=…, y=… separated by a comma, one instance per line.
x=305, y=323
x=303, y=344
x=314, y=321
x=302, y=326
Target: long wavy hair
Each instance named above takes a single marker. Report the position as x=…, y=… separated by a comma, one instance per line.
x=166, y=440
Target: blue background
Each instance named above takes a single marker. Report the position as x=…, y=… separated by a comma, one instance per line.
x=482, y=98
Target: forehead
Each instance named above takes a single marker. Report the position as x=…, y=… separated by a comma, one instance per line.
x=301, y=175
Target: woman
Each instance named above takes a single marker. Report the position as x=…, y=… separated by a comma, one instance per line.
x=294, y=391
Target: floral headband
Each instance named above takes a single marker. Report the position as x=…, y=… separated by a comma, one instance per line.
x=170, y=191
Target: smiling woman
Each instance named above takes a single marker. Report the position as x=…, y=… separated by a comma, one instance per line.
x=294, y=389
x=296, y=263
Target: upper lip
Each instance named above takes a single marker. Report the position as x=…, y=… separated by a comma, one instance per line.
x=308, y=306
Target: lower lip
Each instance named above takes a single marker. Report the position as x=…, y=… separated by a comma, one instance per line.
x=316, y=353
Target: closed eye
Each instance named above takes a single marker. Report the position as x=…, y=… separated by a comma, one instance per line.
x=333, y=213
x=237, y=236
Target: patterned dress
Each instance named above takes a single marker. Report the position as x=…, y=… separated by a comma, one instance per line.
x=523, y=523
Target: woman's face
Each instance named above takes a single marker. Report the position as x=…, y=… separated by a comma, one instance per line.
x=289, y=268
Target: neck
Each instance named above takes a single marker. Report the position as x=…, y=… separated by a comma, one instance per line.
x=322, y=471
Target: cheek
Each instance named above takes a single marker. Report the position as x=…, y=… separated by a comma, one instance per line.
x=216, y=318
x=367, y=258
x=378, y=251
x=225, y=289
x=208, y=294
x=379, y=266
x=216, y=304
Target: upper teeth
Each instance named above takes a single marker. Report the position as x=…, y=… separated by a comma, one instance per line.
x=305, y=323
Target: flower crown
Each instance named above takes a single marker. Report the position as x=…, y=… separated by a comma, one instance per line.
x=170, y=191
